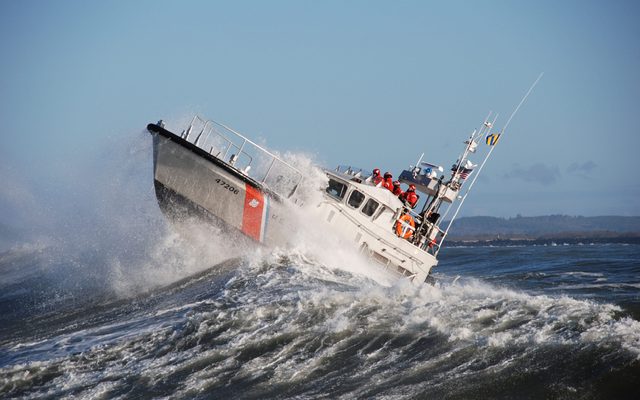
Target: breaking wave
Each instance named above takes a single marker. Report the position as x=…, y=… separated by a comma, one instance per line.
x=118, y=304
x=282, y=325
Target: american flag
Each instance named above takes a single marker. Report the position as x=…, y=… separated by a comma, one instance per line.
x=465, y=172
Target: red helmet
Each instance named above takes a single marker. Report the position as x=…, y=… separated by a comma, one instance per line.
x=412, y=187
x=396, y=183
x=376, y=172
x=388, y=175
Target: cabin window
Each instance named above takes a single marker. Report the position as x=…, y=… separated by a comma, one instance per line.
x=336, y=189
x=356, y=198
x=370, y=207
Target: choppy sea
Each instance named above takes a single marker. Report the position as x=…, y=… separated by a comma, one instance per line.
x=500, y=322
x=113, y=303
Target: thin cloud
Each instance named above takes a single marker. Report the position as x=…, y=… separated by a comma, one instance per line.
x=582, y=170
x=536, y=173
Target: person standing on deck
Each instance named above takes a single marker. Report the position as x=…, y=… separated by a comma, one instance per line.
x=410, y=196
x=376, y=178
x=397, y=190
x=388, y=181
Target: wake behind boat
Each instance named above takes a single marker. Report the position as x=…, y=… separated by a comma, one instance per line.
x=218, y=174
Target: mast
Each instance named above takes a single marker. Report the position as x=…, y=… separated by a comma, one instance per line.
x=502, y=132
x=486, y=127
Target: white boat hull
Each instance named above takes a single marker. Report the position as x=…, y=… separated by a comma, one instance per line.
x=189, y=180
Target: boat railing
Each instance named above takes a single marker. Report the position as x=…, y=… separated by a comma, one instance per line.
x=429, y=233
x=431, y=244
x=350, y=170
x=356, y=173
x=244, y=155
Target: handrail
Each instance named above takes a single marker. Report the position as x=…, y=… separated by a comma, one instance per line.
x=209, y=128
x=267, y=152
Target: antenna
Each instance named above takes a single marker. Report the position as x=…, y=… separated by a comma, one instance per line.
x=487, y=157
x=522, y=102
x=486, y=126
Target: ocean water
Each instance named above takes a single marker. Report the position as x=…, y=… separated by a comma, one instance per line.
x=501, y=322
x=112, y=302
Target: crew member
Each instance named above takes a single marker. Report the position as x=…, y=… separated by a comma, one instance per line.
x=388, y=181
x=410, y=196
x=376, y=178
x=397, y=190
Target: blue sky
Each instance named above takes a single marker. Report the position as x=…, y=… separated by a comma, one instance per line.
x=369, y=83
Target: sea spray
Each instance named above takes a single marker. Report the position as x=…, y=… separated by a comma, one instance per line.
x=303, y=321
x=283, y=325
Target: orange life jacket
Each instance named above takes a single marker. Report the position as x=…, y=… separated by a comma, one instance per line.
x=388, y=183
x=411, y=198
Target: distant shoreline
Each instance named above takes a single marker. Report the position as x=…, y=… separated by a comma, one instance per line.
x=543, y=230
x=542, y=241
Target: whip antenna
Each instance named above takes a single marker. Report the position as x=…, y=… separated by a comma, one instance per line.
x=521, y=102
x=488, y=155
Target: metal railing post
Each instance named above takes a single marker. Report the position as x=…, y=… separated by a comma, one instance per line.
x=201, y=132
x=273, y=160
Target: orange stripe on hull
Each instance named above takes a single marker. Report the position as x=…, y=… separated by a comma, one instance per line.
x=252, y=213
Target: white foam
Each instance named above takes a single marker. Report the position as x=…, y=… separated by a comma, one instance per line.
x=319, y=287
x=582, y=273
x=476, y=312
x=184, y=249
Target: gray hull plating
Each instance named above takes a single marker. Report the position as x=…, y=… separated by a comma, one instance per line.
x=213, y=188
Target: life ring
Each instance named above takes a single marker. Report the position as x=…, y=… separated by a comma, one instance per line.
x=402, y=229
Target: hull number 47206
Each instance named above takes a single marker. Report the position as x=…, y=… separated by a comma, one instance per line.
x=227, y=186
